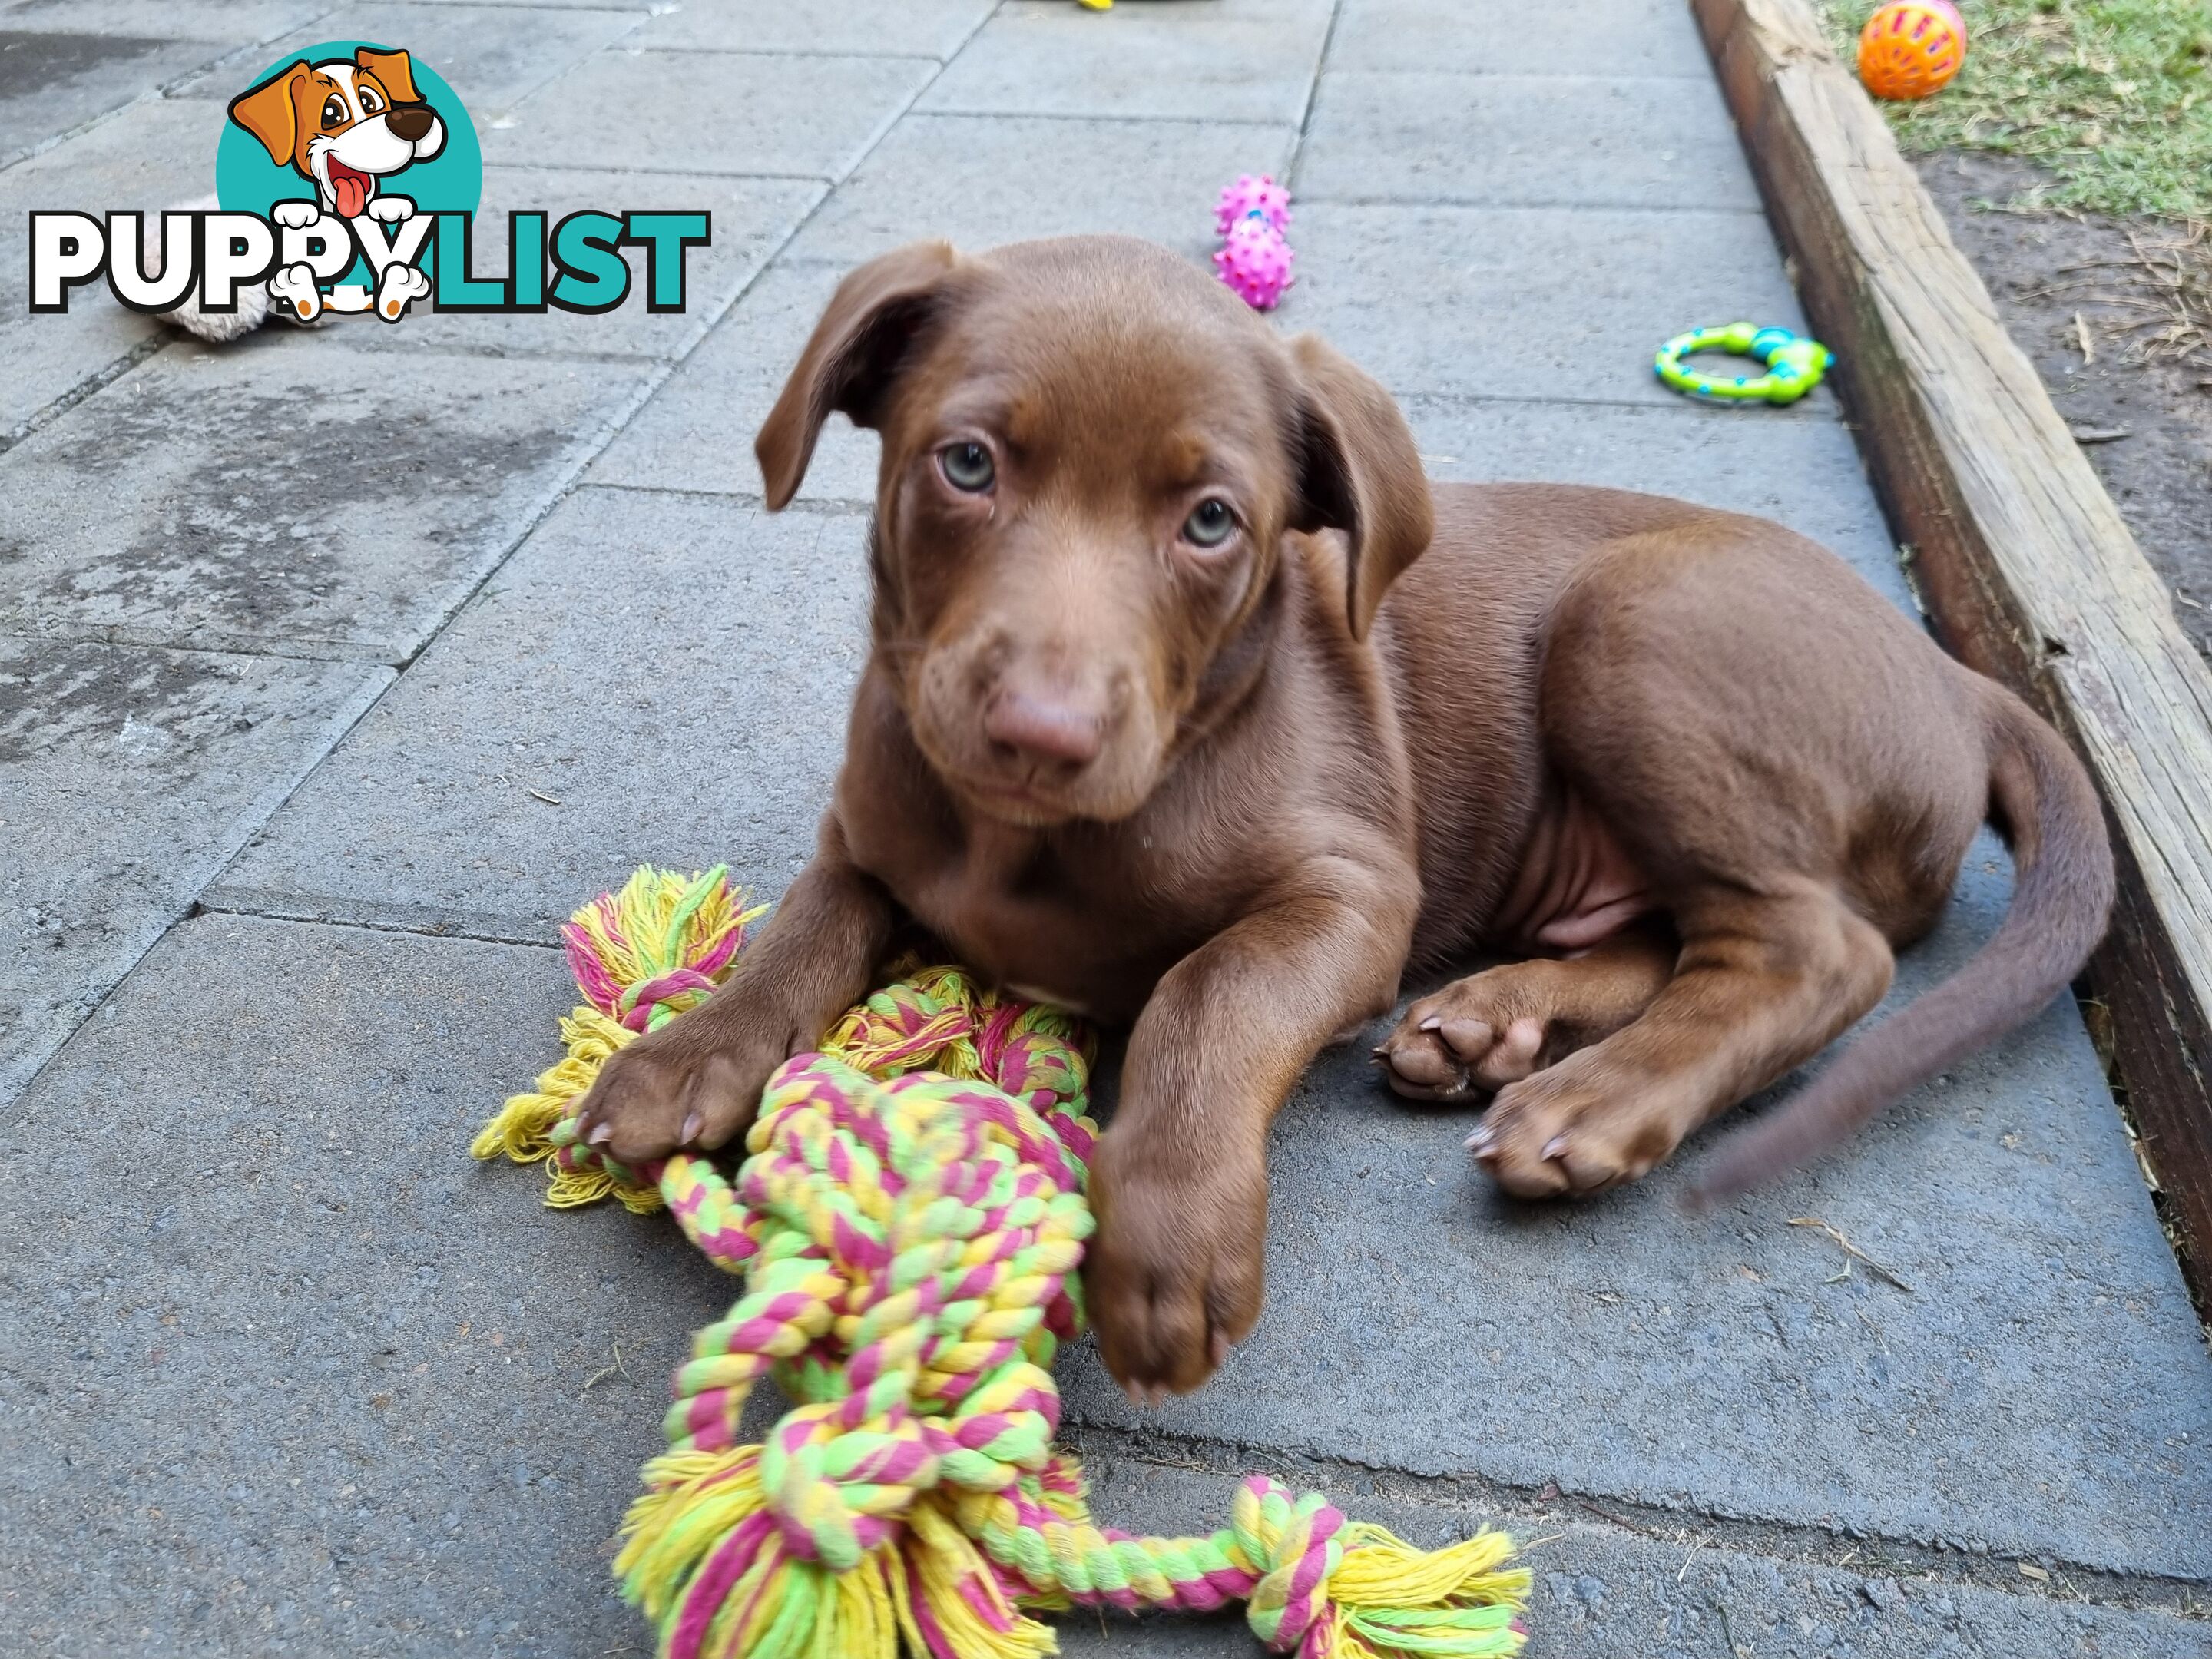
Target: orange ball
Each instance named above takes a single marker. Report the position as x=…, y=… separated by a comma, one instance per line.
x=1911, y=48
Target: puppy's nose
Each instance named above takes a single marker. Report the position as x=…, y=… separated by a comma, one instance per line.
x=409, y=121
x=1042, y=726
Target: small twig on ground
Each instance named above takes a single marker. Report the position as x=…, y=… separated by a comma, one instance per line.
x=616, y=1369
x=1727, y=1634
x=2088, y=345
x=539, y=794
x=1686, y=1559
x=1607, y=1515
x=1852, y=1250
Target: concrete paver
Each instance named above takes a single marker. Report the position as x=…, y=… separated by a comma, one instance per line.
x=350, y=1369
x=56, y=81
x=152, y=155
x=1567, y=304
x=287, y=490
x=684, y=664
x=1232, y=60
x=247, y=1252
x=128, y=778
x=800, y=114
x=917, y=29
x=1501, y=37
x=1002, y=178
x=228, y=23
x=1532, y=141
x=1801, y=471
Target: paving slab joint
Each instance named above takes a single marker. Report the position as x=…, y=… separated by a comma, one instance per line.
x=370, y=915
x=1529, y=1511
x=827, y=507
x=99, y=380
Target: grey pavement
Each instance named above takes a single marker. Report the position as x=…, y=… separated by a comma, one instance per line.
x=338, y=665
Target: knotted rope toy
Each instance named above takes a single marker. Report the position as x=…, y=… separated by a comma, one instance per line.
x=909, y=1224
x=1794, y=364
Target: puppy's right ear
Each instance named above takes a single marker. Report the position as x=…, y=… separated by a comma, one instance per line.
x=853, y=356
x=267, y=112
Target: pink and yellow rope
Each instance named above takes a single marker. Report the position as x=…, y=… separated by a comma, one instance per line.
x=909, y=1222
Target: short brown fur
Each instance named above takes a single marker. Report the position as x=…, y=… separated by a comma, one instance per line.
x=1687, y=764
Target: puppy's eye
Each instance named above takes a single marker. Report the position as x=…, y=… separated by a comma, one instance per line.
x=370, y=103
x=966, y=467
x=334, y=111
x=1210, y=523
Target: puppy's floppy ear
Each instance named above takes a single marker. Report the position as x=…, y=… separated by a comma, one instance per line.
x=394, y=71
x=851, y=359
x=267, y=112
x=1360, y=472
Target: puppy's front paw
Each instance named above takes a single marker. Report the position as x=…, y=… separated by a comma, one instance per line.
x=695, y=1082
x=1175, y=1273
x=391, y=209
x=295, y=215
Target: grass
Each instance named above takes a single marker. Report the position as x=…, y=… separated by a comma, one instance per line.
x=2112, y=98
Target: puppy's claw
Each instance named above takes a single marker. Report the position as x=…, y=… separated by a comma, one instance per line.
x=693, y=1124
x=1433, y=1023
x=1556, y=1147
x=601, y=1133
x=1219, y=1349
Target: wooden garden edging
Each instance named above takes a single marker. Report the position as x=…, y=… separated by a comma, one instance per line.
x=2030, y=573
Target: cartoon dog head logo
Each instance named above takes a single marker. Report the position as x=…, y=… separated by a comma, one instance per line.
x=345, y=124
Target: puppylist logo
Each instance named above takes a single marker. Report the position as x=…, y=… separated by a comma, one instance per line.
x=348, y=180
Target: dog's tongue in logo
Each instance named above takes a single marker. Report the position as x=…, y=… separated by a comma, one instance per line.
x=350, y=186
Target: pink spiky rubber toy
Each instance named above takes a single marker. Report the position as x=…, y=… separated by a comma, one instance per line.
x=1250, y=196
x=1254, y=260
x=1255, y=263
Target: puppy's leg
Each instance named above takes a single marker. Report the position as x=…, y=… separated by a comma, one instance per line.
x=1180, y=1181
x=1496, y=1027
x=696, y=1081
x=1764, y=981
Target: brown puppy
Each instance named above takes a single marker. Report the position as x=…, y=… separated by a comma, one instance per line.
x=1142, y=733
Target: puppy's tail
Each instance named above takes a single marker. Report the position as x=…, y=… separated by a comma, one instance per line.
x=2043, y=803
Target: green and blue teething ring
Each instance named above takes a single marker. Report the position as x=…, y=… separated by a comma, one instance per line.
x=1794, y=364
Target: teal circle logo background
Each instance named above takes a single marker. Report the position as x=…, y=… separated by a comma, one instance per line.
x=451, y=181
